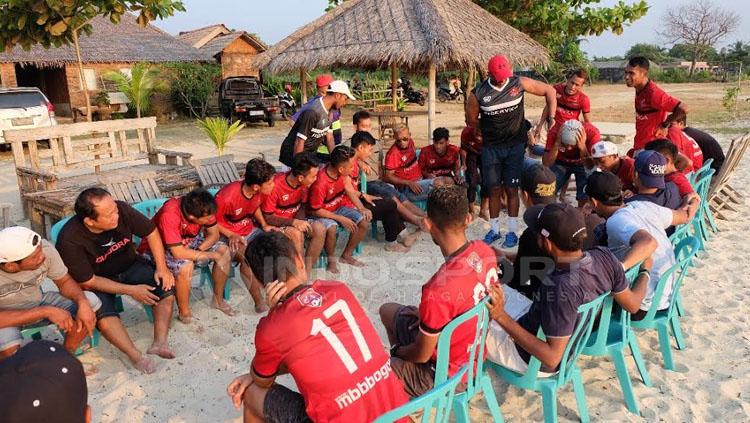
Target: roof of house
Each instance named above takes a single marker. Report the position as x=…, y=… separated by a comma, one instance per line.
x=218, y=44
x=200, y=36
x=126, y=42
x=215, y=38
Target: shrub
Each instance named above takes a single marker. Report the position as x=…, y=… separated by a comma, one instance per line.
x=193, y=86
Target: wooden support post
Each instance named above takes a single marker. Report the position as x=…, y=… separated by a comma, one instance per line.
x=432, y=76
x=302, y=86
x=394, y=86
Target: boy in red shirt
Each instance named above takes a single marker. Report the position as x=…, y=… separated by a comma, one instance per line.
x=607, y=158
x=328, y=204
x=240, y=218
x=283, y=207
x=320, y=334
x=470, y=269
x=441, y=159
x=687, y=147
x=187, y=226
x=567, y=156
x=669, y=151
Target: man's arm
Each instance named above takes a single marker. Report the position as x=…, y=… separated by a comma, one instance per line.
x=275, y=220
x=543, y=90
x=550, y=156
x=587, y=117
x=642, y=246
x=212, y=236
x=69, y=289
x=630, y=299
x=472, y=114
x=419, y=351
x=162, y=274
x=21, y=317
x=299, y=145
x=686, y=212
x=679, y=114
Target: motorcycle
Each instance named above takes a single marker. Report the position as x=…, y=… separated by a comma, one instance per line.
x=410, y=94
x=287, y=104
x=444, y=94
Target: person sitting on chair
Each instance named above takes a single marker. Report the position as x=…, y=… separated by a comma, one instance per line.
x=441, y=159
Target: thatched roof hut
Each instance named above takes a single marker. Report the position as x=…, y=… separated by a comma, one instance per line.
x=411, y=34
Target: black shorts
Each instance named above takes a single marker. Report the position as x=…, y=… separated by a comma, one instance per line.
x=141, y=272
x=417, y=378
x=502, y=165
x=282, y=405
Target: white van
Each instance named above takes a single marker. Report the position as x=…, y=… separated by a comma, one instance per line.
x=24, y=108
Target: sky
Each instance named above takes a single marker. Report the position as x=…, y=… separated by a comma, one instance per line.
x=274, y=20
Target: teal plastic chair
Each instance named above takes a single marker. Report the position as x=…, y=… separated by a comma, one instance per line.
x=667, y=320
x=569, y=371
x=478, y=380
x=435, y=404
x=611, y=337
x=363, y=188
x=35, y=333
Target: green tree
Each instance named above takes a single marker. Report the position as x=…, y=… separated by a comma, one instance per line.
x=651, y=52
x=685, y=51
x=144, y=80
x=193, y=85
x=53, y=23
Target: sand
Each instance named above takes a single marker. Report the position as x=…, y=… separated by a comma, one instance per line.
x=711, y=381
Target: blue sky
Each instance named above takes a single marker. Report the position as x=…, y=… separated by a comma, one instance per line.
x=274, y=20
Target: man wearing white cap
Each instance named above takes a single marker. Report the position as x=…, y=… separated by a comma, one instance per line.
x=25, y=261
x=313, y=125
x=607, y=157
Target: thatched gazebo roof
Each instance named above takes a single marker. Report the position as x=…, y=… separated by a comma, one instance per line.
x=408, y=33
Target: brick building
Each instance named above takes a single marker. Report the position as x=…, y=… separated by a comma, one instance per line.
x=109, y=47
x=234, y=50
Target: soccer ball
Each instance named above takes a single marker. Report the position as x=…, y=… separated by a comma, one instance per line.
x=569, y=132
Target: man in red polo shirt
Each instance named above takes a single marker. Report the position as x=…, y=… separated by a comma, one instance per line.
x=572, y=102
x=567, y=154
x=240, y=218
x=441, y=159
x=283, y=207
x=187, y=226
x=607, y=157
x=655, y=110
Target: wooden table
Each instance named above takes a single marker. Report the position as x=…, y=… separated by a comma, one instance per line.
x=47, y=207
x=389, y=117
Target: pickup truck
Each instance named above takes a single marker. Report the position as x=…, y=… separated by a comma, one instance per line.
x=242, y=98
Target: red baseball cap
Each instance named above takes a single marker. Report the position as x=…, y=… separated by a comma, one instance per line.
x=323, y=80
x=500, y=68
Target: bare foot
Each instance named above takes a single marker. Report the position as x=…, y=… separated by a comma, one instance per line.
x=145, y=365
x=261, y=308
x=410, y=239
x=90, y=370
x=352, y=261
x=223, y=307
x=185, y=318
x=332, y=267
x=160, y=349
x=395, y=247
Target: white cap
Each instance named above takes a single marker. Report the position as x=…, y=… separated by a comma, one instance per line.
x=569, y=132
x=17, y=243
x=604, y=149
x=341, y=87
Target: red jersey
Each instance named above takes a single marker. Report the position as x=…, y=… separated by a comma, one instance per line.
x=432, y=162
x=234, y=211
x=327, y=193
x=284, y=201
x=570, y=107
x=404, y=162
x=324, y=338
x=470, y=142
x=626, y=173
x=570, y=154
x=652, y=105
x=174, y=228
x=679, y=179
x=686, y=146
x=457, y=286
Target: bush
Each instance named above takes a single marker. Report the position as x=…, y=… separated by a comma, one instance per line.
x=193, y=86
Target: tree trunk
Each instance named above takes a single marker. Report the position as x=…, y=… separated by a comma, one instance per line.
x=302, y=87
x=394, y=86
x=432, y=88
x=81, y=77
x=470, y=81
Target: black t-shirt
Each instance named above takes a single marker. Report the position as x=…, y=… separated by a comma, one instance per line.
x=555, y=309
x=106, y=254
x=709, y=146
x=312, y=126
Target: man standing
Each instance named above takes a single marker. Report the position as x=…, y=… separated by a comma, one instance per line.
x=499, y=101
x=97, y=246
x=655, y=110
x=313, y=125
x=25, y=261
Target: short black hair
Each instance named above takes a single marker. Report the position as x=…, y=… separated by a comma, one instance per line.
x=447, y=206
x=340, y=154
x=640, y=62
x=578, y=73
x=663, y=146
x=360, y=116
x=362, y=137
x=270, y=257
x=681, y=119
x=198, y=203
x=303, y=162
x=258, y=172
x=440, y=134
x=84, y=206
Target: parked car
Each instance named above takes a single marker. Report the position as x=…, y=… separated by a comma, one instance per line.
x=24, y=108
x=242, y=98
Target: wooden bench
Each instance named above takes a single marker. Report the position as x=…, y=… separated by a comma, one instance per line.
x=132, y=188
x=721, y=195
x=216, y=171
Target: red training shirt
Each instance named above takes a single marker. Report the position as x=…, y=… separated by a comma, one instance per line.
x=234, y=211
x=469, y=141
x=174, y=228
x=570, y=154
x=686, y=146
x=626, y=173
x=323, y=337
x=457, y=286
x=570, y=107
x=679, y=179
x=284, y=201
x=432, y=162
x=404, y=162
x=327, y=193
x=652, y=105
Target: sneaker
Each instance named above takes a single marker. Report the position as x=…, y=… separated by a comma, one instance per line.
x=491, y=237
x=511, y=240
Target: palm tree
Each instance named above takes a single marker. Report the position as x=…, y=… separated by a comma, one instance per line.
x=139, y=86
x=219, y=131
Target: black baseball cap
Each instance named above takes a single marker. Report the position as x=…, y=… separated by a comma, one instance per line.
x=605, y=187
x=43, y=383
x=540, y=183
x=562, y=224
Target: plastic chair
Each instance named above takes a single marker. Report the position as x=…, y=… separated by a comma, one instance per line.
x=35, y=333
x=611, y=337
x=664, y=321
x=363, y=188
x=478, y=380
x=569, y=371
x=434, y=404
